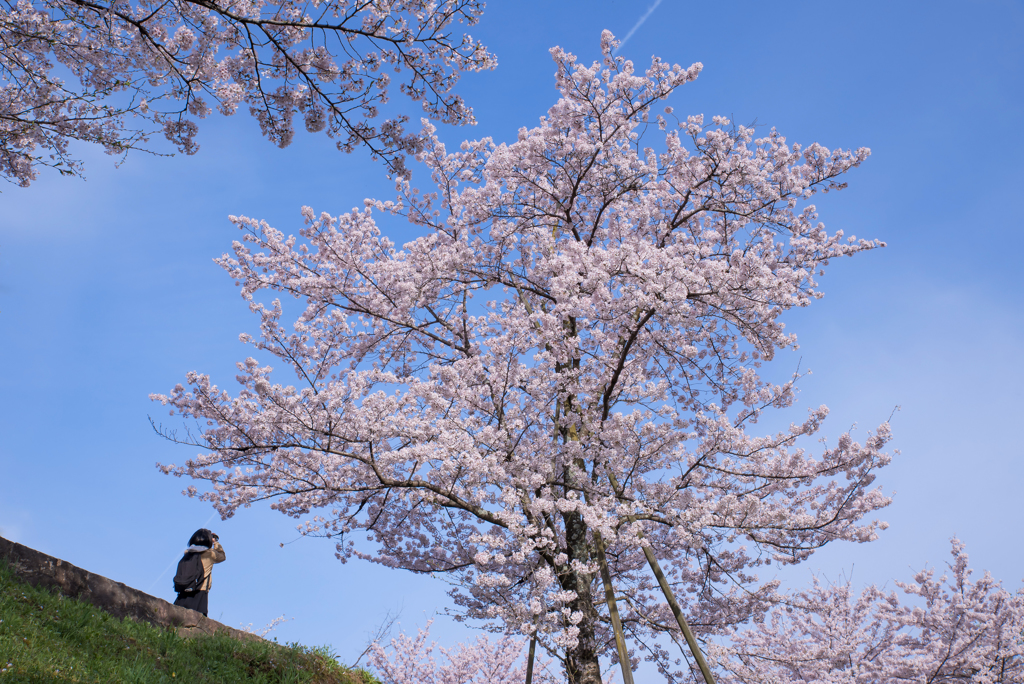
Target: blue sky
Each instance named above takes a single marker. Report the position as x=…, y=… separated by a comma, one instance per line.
x=108, y=292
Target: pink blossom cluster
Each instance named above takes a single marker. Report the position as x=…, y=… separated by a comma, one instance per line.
x=114, y=71
x=945, y=629
x=409, y=660
x=565, y=360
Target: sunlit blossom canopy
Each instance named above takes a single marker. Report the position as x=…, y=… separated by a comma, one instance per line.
x=570, y=350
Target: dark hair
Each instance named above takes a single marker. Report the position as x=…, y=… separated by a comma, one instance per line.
x=202, y=537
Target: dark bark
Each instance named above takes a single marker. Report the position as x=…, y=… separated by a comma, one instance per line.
x=581, y=663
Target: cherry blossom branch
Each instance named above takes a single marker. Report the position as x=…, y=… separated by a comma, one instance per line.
x=128, y=59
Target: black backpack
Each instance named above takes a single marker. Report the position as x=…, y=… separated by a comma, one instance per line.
x=190, y=575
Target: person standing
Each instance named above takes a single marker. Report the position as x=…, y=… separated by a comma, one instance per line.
x=206, y=545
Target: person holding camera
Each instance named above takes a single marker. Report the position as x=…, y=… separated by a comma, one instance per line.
x=195, y=570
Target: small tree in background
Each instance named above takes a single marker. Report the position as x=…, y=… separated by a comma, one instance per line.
x=409, y=660
x=949, y=630
x=547, y=395
x=113, y=71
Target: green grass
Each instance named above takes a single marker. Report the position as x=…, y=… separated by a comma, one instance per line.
x=45, y=637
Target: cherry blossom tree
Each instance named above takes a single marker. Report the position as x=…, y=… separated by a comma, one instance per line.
x=408, y=660
x=547, y=396
x=947, y=629
x=113, y=72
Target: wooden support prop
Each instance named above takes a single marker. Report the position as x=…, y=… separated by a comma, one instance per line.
x=613, y=610
x=671, y=598
x=678, y=612
x=529, y=658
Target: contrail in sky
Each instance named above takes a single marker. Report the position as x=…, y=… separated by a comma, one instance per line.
x=637, y=25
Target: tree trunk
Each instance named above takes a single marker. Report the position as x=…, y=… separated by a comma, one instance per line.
x=581, y=664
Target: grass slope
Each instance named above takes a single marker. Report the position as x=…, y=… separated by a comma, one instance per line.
x=45, y=637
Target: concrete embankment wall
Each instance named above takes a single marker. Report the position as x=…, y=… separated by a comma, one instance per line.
x=120, y=600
